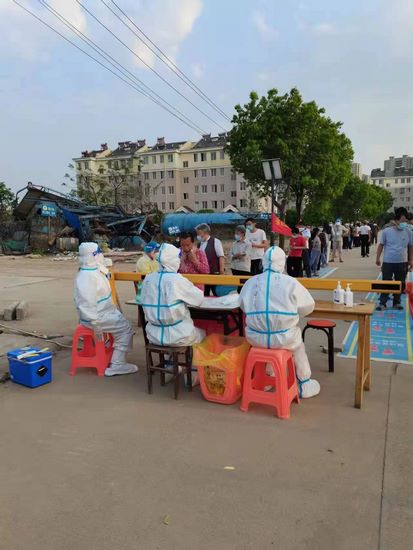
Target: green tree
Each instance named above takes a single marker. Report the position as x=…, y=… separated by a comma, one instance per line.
x=6, y=201
x=314, y=152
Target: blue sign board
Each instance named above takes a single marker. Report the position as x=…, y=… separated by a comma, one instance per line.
x=48, y=209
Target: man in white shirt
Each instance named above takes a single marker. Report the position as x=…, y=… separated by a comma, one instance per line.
x=365, y=236
x=214, y=252
x=259, y=243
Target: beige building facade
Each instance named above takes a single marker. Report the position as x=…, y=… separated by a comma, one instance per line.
x=172, y=176
x=396, y=177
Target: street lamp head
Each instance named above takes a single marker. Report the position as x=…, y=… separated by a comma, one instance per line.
x=272, y=169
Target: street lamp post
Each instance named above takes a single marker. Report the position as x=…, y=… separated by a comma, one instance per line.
x=272, y=172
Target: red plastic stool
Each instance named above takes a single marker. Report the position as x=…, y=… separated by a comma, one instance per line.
x=328, y=328
x=256, y=380
x=95, y=354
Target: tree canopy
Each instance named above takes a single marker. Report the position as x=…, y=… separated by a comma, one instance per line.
x=315, y=154
x=6, y=200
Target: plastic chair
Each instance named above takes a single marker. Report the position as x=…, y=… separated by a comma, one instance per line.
x=256, y=380
x=95, y=354
x=328, y=328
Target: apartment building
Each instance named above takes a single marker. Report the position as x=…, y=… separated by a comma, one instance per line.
x=356, y=169
x=172, y=175
x=397, y=177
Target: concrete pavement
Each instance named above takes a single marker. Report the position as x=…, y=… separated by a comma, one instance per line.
x=90, y=463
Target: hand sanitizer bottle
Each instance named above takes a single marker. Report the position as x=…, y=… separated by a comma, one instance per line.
x=339, y=294
x=348, y=296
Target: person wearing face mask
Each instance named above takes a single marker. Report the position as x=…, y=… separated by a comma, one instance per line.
x=338, y=231
x=147, y=263
x=240, y=253
x=93, y=299
x=273, y=304
x=193, y=259
x=214, y=252
x=396, y=241
x=259, y=243
x=165, y=298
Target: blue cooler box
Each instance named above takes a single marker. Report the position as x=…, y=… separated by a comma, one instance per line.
x=30, y=371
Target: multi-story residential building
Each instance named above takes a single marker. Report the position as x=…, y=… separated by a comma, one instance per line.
x=171, y=175
x=356, y=169
x=397, y=177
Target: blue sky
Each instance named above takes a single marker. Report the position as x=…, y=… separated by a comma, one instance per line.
x=354, y=58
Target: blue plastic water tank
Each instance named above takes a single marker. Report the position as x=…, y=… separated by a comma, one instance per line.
x=173, y=224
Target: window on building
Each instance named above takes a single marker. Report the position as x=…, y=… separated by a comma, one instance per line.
x=204, y=173
x=214, y=155
x=222, y=171
x=170, y=173
x=252, y=202
x=154, y=191
x=162, y=174
x=163, y=190
x=116, y=165
x=171, y=189
x=214, y=204
x=171, y=206
x=204, y=204
x=403, y=180
x=222, y=204
x=204, y=188
x=233, y=193
x=147, y=190
x=161, y=159
x=87, y=165
x=213, y=172
x=196, y=204
x=163, y=206
x=145, y=160
x=195, y=157
x=153, y=159
x=222, y=154
x=146, y=176
x=170, y=158
x=214, y=188
x=397, y=181
x=243, y=186
x=243, y=203
x=79, y=165
x=154, y=175
x=195, y=173
x=387, y=184
x=381, y=182
x=203, y=157
x=408, y=180
x=186, y=180
x=233, y=175
x=222, y=188
x=196, y=188
x=185, y=164
x=186, y=196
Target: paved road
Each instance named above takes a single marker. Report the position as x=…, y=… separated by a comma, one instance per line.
x=90, y=463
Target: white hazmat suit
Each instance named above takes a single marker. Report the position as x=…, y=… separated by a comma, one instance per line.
x=93, y=300
x=165, y=298
x=273, y=303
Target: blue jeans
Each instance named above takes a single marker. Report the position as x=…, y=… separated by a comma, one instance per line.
x=315, y=256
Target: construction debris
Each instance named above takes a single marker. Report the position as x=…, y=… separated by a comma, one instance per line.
x=10, y=311
x=22, y=310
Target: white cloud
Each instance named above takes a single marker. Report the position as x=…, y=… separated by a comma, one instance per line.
x=324, y=29
x=198, y=70
x=266, y=31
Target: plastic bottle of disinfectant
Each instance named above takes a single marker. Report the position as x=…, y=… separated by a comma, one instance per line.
x=338, y=294
x=348, y=297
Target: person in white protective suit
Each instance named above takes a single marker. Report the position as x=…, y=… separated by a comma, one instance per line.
x=93, y=300
x=165, y=298
x=273, y=304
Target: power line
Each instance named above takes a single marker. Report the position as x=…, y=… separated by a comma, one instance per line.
x=149, y=67
x=123, y=70
x=164, y=58
x=101, y=64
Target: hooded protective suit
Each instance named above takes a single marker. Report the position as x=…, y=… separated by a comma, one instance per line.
x=273, y=303
x=165, y=298
x=93, y=300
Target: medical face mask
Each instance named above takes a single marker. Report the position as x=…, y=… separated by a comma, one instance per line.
x=199, y=238
x=403, y=225
x=249, y=227
x=237, y=237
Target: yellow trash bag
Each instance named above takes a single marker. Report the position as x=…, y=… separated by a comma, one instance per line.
x=220, y=362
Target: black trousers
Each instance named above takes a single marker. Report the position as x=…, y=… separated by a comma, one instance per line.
x=256, y=267
x=365, y=245
x=398, y=272
x=306, y=262
x=240, y=273
x=294, y=266
x=345, y=242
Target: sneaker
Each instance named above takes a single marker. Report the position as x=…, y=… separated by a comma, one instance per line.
x=399, y=307
x=341, y=261
x=380, y=307
x=116, y=370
